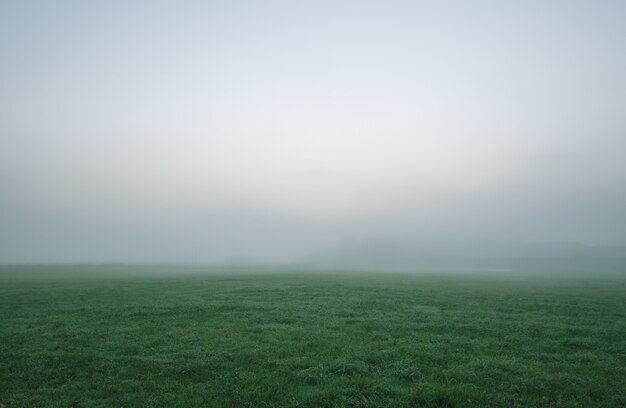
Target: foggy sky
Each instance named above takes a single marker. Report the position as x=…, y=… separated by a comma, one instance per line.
x=270, y=131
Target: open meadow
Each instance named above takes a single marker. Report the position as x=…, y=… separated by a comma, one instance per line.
x=121, y=336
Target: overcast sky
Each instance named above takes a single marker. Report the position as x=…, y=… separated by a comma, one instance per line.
x=269, y=130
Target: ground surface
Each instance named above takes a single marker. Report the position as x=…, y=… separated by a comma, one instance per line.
x=119, y=336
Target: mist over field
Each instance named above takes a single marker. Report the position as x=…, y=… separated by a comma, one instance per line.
x=346, y=203
x=369, y=134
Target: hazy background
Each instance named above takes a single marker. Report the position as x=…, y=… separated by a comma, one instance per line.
x=319, y=131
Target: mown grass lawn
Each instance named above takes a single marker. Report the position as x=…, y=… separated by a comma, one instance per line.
x=126, y=337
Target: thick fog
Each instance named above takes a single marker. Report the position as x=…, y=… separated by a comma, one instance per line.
x=296, y=132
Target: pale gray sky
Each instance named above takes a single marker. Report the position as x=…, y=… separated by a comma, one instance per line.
x=144, y=130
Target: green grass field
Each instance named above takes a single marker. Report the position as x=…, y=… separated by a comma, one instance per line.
x=166, y=337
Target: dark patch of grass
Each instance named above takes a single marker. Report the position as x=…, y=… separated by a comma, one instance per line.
x=133, y=339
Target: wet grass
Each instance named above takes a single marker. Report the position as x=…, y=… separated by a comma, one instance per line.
x=135, y=337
